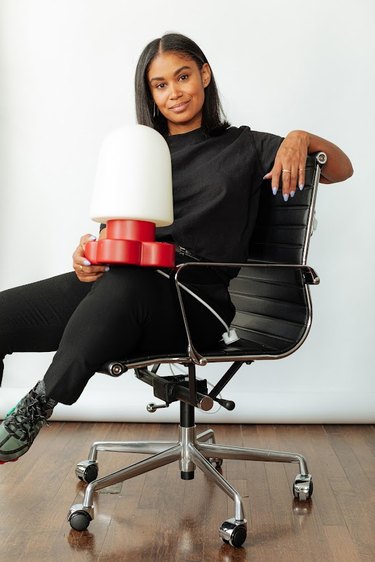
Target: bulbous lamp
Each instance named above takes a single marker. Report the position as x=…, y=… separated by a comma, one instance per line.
x=132, y=195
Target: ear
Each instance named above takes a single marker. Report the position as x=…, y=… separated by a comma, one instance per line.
x=206, y=74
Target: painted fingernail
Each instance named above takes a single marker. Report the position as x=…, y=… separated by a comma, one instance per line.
x=86, y=262
x=301, y=186
x=274, y=190
x=292, y=193
x=286, y=197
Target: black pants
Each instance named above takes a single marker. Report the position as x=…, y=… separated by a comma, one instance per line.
x=129, y=311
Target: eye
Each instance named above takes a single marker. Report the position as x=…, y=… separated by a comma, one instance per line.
x=183, y=77
x=160, y=86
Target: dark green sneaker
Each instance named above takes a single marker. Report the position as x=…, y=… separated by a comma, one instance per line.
x=23, y=423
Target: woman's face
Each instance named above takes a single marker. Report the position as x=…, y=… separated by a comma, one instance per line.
x=177, y=87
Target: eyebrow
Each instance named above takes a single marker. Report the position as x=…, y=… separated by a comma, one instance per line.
x=157, y=78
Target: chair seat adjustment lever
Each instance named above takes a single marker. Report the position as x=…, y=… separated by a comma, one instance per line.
x=227, y=404
x=151, y=408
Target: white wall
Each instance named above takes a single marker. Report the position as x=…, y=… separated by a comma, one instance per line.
x=67, y=71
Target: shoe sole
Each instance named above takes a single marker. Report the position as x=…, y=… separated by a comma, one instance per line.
x=10, y=460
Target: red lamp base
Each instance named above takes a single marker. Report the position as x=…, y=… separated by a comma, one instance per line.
x=130, y=242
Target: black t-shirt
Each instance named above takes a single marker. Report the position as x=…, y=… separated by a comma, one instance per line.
x=216, y=185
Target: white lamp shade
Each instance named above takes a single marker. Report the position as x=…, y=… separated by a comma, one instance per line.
x=134, y=177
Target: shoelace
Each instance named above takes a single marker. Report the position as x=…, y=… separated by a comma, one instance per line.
x=23, y=422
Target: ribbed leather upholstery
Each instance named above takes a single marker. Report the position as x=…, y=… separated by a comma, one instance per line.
x=272, y=303
x=281, y=229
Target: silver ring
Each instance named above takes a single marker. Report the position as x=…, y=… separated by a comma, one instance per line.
x=287, y=171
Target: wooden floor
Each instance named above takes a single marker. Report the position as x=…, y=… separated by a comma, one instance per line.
x=159, y=517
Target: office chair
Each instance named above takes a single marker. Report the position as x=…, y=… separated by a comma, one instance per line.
x=273, y=319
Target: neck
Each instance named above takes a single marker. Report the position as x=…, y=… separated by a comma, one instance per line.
x=181, y=128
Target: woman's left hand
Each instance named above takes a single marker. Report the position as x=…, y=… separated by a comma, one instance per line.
x=289, y=166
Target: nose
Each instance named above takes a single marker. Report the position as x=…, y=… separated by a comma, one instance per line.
x=175, y=92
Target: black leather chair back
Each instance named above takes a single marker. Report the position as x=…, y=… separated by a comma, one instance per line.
x=273, y=304
x=282, y=230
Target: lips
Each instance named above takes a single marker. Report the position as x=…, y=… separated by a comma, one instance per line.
x=179, y=107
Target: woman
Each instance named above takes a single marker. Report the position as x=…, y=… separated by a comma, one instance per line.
x=99, y=313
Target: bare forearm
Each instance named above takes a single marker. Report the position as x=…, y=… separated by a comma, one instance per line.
x=338, y=167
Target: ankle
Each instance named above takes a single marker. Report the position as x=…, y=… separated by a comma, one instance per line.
x=40, y=389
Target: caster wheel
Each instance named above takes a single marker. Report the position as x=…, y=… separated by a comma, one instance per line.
x=87, y=471
x=79, y=519
x=303, y=487
x=216, y=462
x=233, y=532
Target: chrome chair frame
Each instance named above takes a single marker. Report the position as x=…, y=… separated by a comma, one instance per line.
x=194, y=449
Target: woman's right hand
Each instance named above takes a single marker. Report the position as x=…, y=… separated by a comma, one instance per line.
x=86, y=272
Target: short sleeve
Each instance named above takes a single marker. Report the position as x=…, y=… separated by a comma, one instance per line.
x=266, y=146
